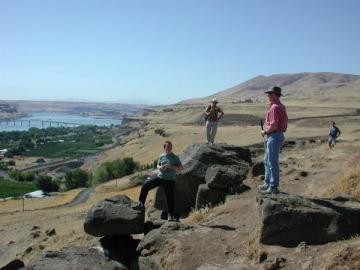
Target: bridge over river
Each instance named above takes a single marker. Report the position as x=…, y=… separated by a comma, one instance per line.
x=36, y=123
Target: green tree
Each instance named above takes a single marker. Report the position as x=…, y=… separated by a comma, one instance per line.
x=11, y=163
x=77, y=178
x=130, y=165
x=15, y=175
x=118, y=168
x=28, y=176
x=102, y=174
x=22, y=177
x=46, y=184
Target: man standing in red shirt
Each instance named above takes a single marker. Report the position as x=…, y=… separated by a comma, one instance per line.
x=275, y=125
x=212, y=117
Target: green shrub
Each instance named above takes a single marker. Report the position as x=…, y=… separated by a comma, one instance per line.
x=102, y=174
x=115, y=169
x=22, y=177
x=46, y=184
x=11, y=163
x=77, y=178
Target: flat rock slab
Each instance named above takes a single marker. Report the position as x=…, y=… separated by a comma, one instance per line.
x=290, y=219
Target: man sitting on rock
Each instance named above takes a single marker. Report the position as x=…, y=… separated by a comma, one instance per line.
x=168, y=164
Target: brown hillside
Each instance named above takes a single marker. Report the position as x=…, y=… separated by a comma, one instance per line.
x=299, y=84
x=231, y=228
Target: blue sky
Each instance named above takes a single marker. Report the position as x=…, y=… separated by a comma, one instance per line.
x=167, y=51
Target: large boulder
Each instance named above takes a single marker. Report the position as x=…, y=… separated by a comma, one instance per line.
x=154, y=248
x=207, y=197
x=223, y=154
x=226, y=177
x=121, y=248
x=196, y=159
x=14, y=265
x=80, y=258
x=221, y=180
x=257, y=169
x=172, y=246
x=114, y=216
x=288, y=220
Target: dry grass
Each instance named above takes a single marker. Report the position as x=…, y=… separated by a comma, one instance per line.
x=344, y=256
x=200, y=215
x=181, y=127
x=203, y=214
x=16, y=205
x=349, y=183
x=145, y=146
x=254, y=244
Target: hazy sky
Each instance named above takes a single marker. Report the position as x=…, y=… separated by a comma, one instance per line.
x=167, y=51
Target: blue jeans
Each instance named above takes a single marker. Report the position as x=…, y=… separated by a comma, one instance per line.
x=271, y=159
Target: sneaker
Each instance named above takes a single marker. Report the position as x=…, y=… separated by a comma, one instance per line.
x=138, y=206
x=171, y=217
x=263, y=187
x=271, y=190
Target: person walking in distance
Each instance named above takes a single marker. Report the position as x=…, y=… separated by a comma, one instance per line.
x=168, y=163
x=212, y=118
x=275, y=125
x=334, y=132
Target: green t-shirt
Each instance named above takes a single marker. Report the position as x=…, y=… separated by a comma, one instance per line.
x=174, y=161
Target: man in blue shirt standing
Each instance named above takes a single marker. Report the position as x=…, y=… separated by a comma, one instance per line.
x=333, y=134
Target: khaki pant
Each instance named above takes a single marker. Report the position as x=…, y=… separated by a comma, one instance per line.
x=211, y=128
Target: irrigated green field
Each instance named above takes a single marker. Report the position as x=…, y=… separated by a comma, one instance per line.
x=15, y=189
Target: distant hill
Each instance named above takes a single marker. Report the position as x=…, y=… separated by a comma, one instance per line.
x=7, y=108
x=23, y=107
x=298, y=84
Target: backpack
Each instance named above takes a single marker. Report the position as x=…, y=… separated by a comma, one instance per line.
x=207, y=110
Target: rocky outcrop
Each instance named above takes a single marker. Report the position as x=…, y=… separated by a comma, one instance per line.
x=114, y=216
x=228, y=166
x=80, y=258
x=257, y=169
x=121, y=248
x=289, y=219
x=153, y=250
x=221, y=180
x=13, y=265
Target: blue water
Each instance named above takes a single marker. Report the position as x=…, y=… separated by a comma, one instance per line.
x=56, y=119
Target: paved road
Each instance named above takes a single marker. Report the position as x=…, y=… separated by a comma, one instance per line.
x=5, y=175
x=80, y=198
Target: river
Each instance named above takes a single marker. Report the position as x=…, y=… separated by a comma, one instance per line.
x=54, y=119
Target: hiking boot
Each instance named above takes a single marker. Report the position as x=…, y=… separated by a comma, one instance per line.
x=263, y=187
x=138, y=206
x=171, y=217
x=271, y=190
